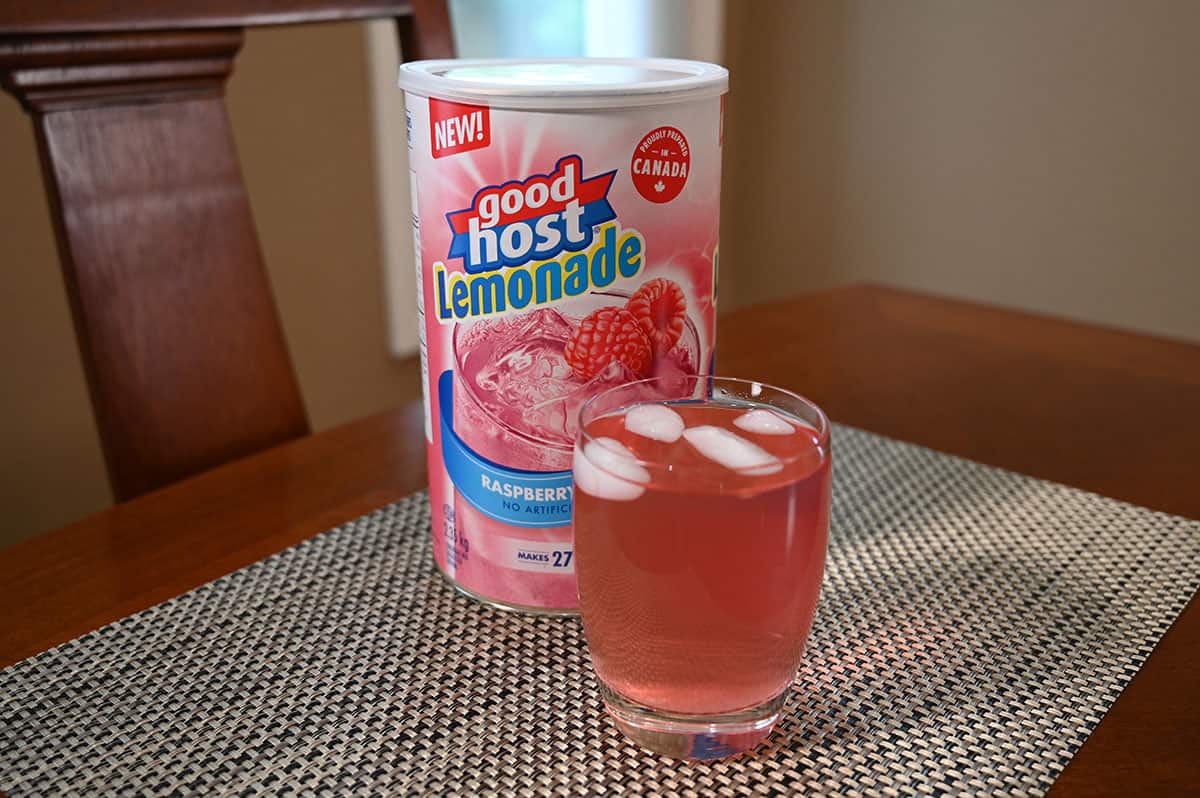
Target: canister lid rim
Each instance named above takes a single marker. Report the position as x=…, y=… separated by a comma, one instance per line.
x=564, y=82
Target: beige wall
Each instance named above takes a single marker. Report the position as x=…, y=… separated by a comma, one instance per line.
x=298, y=100
x=1038, y=155
x=50, y=465
x=301, y=117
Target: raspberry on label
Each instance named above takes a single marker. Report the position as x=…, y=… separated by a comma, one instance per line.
x=608, y=334
x=661, y=310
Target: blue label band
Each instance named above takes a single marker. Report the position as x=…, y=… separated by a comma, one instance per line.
x=511, y=495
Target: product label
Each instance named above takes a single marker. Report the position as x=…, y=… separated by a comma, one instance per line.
x=660, y=164
x=514, y=496
x=545, y=557
x=532, y=227
x=561, y=254
x=455, y=128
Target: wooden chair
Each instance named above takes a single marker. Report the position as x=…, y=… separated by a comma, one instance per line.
x=180, y=338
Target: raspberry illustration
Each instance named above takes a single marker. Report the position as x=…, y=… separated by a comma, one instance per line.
x=608, y=334
x=661, y=310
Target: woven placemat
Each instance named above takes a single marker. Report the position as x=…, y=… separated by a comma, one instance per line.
x=974, y=627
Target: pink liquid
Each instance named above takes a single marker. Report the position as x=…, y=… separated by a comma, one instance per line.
x=698, y=594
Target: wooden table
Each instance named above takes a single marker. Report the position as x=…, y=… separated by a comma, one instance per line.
x=1103, y=410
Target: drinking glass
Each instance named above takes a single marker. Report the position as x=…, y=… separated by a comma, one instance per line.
x=701, y=516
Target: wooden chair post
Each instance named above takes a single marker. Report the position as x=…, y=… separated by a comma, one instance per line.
x=181, y=342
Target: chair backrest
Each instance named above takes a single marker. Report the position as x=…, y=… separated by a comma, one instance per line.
x=180, y=338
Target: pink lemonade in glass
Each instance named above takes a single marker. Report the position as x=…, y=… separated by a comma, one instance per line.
x=700, y=533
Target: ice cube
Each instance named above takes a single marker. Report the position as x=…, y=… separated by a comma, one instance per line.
x=765, y=422
x=526, y=374
x=657, y=422
x=732, y=450
x=544, y=321
x=614, y=374
x=607, y=470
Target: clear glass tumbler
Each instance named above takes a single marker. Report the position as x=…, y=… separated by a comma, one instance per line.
x=701, y=523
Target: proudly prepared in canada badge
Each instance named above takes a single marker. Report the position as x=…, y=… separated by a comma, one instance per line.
x=660, y=164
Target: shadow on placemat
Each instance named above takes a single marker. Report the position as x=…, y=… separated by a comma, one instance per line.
x=974, y=627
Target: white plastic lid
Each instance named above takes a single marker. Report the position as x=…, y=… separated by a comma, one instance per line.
x=547, y=83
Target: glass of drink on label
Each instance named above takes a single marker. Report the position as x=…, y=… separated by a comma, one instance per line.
x=701, y=522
